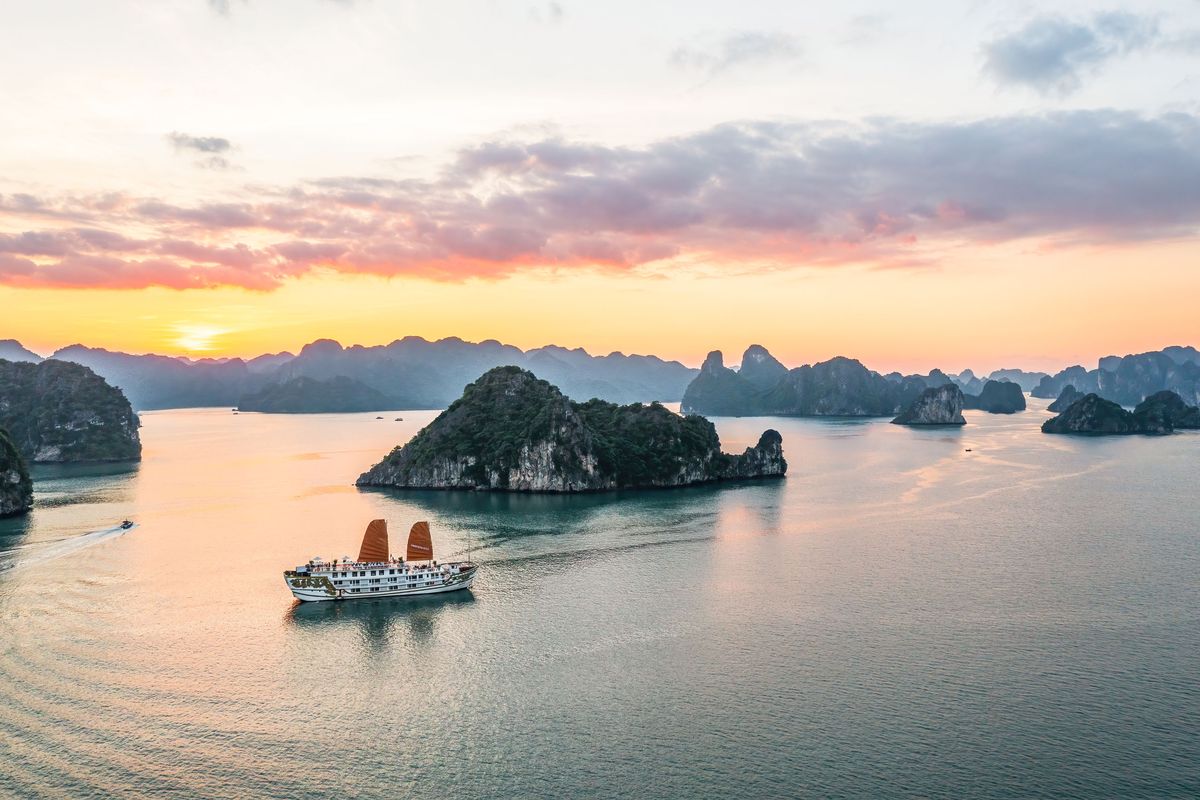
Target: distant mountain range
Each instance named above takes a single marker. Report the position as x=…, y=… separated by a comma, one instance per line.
x=1127, y=380
x=410, y=372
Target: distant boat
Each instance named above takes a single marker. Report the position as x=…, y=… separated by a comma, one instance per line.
x=376, y=574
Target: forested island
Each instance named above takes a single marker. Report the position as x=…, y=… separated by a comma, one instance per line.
x=511, y=431
x=59, y=412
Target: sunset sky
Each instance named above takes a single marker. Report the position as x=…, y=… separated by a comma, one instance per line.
x=953, y=184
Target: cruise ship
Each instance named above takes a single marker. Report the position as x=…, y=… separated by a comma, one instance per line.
x=375, y=573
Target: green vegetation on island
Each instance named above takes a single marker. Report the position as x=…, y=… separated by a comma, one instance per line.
x=511, y=431
x=56, y=411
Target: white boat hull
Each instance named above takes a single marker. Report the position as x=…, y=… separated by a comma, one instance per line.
x=315, y=594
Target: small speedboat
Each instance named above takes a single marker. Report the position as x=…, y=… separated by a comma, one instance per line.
x=126, y=524
x=376, y=573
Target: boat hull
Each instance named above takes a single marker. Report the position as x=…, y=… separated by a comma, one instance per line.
x=316, y=594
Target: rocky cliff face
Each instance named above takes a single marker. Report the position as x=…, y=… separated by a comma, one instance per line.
x=512, y=432
x=940, y=405
x=997, y=397
x=57, y=411
x=761, y=368
x=16, y=490
x=1127, y=380
x=1139, y=376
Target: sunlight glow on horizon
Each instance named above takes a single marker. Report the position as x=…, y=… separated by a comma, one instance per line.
x=1017, y=306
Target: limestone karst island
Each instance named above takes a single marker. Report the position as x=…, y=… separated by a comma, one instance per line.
x=512, y=432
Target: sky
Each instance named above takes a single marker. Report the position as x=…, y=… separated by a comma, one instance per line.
x=950, y=184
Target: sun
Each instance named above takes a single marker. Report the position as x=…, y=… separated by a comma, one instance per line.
x=197, y=338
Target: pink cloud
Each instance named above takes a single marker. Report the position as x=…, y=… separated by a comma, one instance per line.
x=776, y=193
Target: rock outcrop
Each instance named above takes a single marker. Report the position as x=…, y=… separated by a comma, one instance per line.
x=1139, y=376
x=511, y=431
x=310, y=396
x=1092, y=414
x=16, y=490
x=968, y=381
x=1161, y=413
x=939, y=405
x=1166, y=411
x=56, y=411
x=837, y=387
x=719, y=390
x=1066, y=398
x=761, y=368
x=997, y=397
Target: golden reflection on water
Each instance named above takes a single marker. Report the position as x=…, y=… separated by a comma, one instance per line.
x=643, y=629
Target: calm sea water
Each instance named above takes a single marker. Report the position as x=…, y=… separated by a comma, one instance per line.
x=898, y=618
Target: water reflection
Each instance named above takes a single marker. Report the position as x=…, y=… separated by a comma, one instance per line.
x=378, y=620
x=496, y=517
x=56, y=485
x=13, y=533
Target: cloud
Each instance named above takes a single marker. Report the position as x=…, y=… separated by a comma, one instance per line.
x=212, y=149
x=1052, y=54
x=758, y=195
x=716, y=56
x=551, y=12
x=864, y=29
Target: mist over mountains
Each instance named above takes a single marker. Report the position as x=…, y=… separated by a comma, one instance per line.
x=408, y=373
x=417, y=373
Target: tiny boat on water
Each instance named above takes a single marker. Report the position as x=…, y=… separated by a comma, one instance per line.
x=375, y=573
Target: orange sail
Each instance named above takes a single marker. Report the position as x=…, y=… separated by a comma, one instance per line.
x=375, y=542
x=420, y=543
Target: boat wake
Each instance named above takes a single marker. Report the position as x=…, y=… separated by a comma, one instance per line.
x=34, y=554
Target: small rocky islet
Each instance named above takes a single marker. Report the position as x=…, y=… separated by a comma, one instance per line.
x=511, y=431
x=938, y=405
